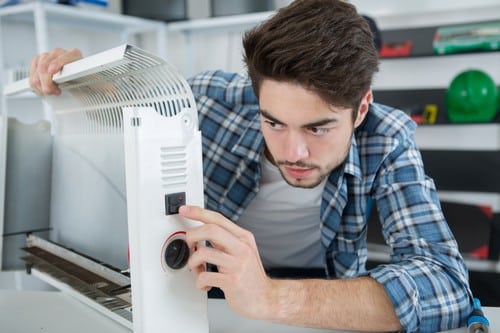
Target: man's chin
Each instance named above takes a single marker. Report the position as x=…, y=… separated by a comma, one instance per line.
x=303, y=182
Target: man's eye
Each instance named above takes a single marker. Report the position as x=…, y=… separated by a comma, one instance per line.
x=318, y=130
x=273, y=124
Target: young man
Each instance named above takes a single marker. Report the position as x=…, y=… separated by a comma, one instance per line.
x=291, y=159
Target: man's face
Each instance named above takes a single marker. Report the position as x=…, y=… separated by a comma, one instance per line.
x=305, y=137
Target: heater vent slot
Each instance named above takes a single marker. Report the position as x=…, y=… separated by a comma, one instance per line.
x=173, y=167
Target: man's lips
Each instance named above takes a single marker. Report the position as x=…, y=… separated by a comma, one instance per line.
x=298, y=172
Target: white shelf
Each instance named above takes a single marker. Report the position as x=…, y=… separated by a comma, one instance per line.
x=62, y=14
x=433, y=72
x=231, y=22
x=482, y=137
x=397, y=14
x=463, y=137
x=392, y=14
x=475, y=198
x=42, y=15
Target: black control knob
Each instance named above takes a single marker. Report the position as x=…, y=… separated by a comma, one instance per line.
x=177, y=254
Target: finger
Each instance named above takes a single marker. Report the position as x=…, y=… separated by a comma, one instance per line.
x=34, y=80
x=49, y=64
x=206, y=280
x=47, y=85
x=210, y=217
x=218, y=237
x=208, y=255
x=62, y=58
x=197, y=270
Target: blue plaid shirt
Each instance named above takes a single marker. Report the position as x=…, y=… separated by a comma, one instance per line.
x=426, y=278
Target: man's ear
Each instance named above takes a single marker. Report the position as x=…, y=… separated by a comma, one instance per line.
x=363, y=108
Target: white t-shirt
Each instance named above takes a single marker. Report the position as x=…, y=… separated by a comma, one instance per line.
x=285, y=221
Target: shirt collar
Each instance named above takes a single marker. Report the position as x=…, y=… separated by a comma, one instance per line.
x=251, y=143
x=353, y=163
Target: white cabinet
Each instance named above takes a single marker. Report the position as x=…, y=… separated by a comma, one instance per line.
x=36, y=27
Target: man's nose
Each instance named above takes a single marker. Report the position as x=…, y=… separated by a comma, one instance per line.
x=296, y=148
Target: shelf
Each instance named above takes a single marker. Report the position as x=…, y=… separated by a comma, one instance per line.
x=476, y=198
x=62, y=14
x=435, y=72
x=433, y=55
x=482, y=137
x=42, y=15
x=423, y=40
x=233, y=22
x=397, y=14
x=25, y=95
x=394, y=16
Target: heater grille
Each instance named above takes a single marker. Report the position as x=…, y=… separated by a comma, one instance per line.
x=135, y=78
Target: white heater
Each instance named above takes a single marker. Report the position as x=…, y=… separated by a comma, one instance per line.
x=127, y=146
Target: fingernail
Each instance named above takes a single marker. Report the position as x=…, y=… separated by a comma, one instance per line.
x=183, y=209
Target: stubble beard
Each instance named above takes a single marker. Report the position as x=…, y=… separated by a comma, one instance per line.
x=298, y=182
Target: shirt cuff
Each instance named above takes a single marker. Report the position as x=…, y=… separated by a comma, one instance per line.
x=403, y=293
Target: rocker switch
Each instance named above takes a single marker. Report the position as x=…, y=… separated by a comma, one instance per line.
x=173, y=202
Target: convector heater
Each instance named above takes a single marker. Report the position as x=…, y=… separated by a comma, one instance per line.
x=126, y=127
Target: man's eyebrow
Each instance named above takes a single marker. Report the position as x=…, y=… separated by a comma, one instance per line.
x=317, y=123
x=321, y=122
x=268, y=116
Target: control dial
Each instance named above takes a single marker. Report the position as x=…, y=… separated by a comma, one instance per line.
x=176, y=253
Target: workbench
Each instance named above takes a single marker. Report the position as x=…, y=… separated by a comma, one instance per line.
x=33, y=311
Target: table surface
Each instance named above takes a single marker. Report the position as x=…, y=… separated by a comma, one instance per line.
x=57, y=312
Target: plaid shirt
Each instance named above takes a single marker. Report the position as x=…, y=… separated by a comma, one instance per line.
x=426, y=278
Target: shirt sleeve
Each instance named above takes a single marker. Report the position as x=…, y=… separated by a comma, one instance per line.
x=426, y=279
x=224, y=87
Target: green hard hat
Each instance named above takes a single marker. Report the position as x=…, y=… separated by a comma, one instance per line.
x=472, y=97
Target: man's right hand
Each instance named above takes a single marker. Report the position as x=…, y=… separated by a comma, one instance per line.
x=45, y=65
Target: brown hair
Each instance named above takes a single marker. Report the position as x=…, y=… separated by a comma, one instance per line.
x=322, y=45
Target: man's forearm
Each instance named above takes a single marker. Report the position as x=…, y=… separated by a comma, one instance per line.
x=349, y=304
